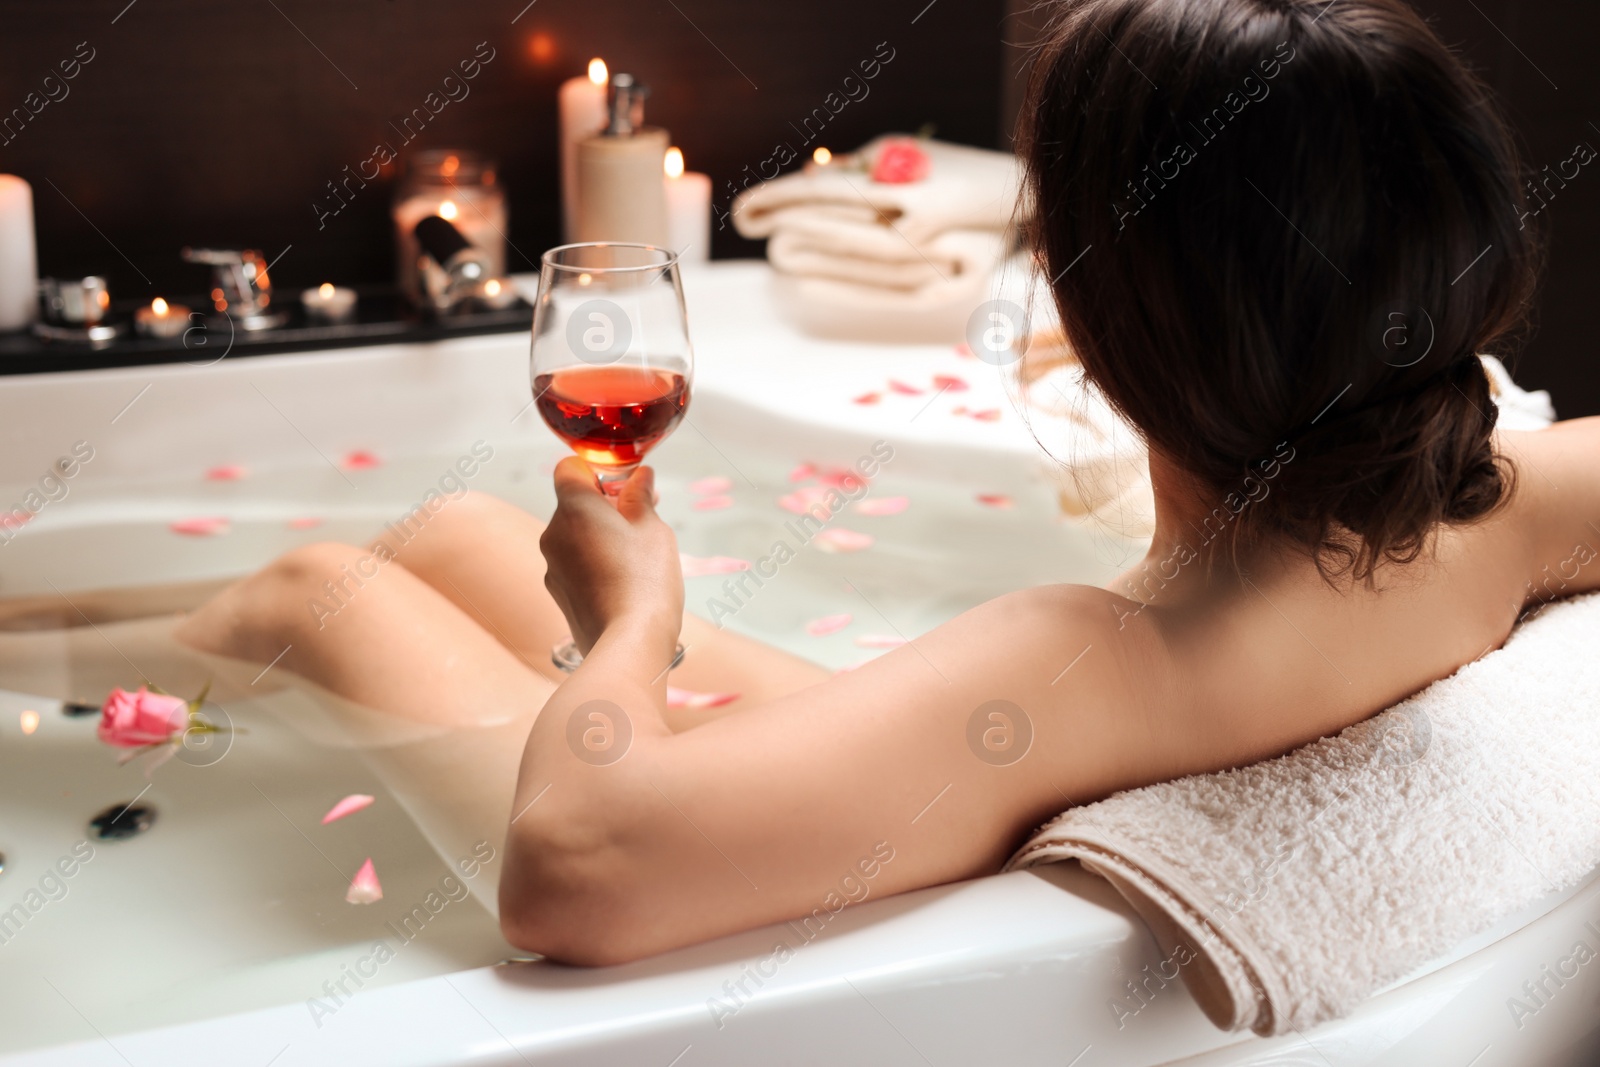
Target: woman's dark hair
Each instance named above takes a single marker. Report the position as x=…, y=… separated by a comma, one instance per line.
x=1298, y=222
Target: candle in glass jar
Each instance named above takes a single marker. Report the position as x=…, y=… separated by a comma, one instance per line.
x=583, y=114
x=328, y=303
x=19, y=271
x=161, y=319
x=459, y=187
x=688, y=210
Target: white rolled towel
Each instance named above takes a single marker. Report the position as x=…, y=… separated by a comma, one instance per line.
x=966, y=189
x=1287, y=892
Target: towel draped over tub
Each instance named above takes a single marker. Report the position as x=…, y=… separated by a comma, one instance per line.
x=1288, y=891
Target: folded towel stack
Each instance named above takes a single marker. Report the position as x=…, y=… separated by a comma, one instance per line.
x=878, y=260
x=1288, y=891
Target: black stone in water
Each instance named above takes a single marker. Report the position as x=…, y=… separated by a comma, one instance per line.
x=78, y=711
x=121, y=821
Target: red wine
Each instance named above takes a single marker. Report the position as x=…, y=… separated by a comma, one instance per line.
x=611, y=416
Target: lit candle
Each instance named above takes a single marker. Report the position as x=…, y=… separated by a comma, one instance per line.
x=162, y=319
x=19, y=270
x=583, y=114
x=688, y=210
x=822, y=157
x=329, y=303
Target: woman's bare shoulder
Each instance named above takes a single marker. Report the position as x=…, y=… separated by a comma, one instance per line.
x=1556, y=504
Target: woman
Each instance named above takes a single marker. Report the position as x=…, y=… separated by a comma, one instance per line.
x=1297, y=223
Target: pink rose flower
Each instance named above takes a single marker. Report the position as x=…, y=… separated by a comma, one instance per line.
x=900, y=162
x=129, y=720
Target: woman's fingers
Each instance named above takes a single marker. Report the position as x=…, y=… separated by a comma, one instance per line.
x=637, y=498
x=574, y=479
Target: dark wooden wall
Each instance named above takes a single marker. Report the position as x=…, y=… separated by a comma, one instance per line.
x=221, y=121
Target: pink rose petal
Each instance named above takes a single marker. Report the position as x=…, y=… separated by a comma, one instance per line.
x=837, y=539
x=364, y=887
x=867, y=398
x=203, y=526
x=712, y=486
x=230, y=472
x=807, y=500
x=348, y=806
x=997, y=500
x=964, y=352
x=950, y=383
x=903, y=389
x=987, y=415
x=360, y=461
x=959, y=409
x=841, y=478
x=702, y=566
x=11, y=520
x=802, y=472
x=688, y=698
x=880, y=640
x=882, y=505
x=712, y=503
x=305, y=522
x=828, y=624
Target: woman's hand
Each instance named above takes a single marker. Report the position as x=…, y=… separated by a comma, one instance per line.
x=610, y=564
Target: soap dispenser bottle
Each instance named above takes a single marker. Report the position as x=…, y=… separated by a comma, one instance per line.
x=622, y=193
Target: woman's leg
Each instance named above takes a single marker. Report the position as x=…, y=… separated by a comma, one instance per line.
x=383, y=638
x=482, y=554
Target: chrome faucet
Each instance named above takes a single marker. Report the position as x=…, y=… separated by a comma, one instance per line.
x=240, y=287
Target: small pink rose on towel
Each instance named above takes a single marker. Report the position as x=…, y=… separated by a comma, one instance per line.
x=131, y=720
x=828, y=624
x=838, y=539
x=703, y=566
x=883, y=505
x=348, y=806
x=201, y=526
x=360, y=460
x=230, y=472
x=688, y=698
x=364, y=887
x=900, y=162
x=712, y=486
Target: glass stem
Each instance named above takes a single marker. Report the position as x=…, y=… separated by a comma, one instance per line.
x=611, y=478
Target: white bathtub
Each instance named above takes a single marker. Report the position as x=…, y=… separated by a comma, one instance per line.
x=202, y=941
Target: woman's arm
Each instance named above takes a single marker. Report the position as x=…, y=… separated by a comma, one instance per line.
x=924, y=766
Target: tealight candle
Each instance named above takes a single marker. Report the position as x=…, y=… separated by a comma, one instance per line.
x=161, y=319
x=329, y=303
x=688, y=210
x=583, y=114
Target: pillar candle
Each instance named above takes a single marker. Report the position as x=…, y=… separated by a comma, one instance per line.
x=19, y=269
x=688, y=210
x=583, y=114
x=623, y=189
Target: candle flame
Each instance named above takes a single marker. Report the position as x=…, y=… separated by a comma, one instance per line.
x=450, y=165
x=598, y=72
x=30, y=721
x=492, y=287
x=325, y=290
x=584, y=279
x=822, y=156
x=674, y=162
x=159, y=306
x=447, y=210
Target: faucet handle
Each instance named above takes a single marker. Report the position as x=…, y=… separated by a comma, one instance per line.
x=239, y=281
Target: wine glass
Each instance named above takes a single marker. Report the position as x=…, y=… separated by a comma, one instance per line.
x=611, y=361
